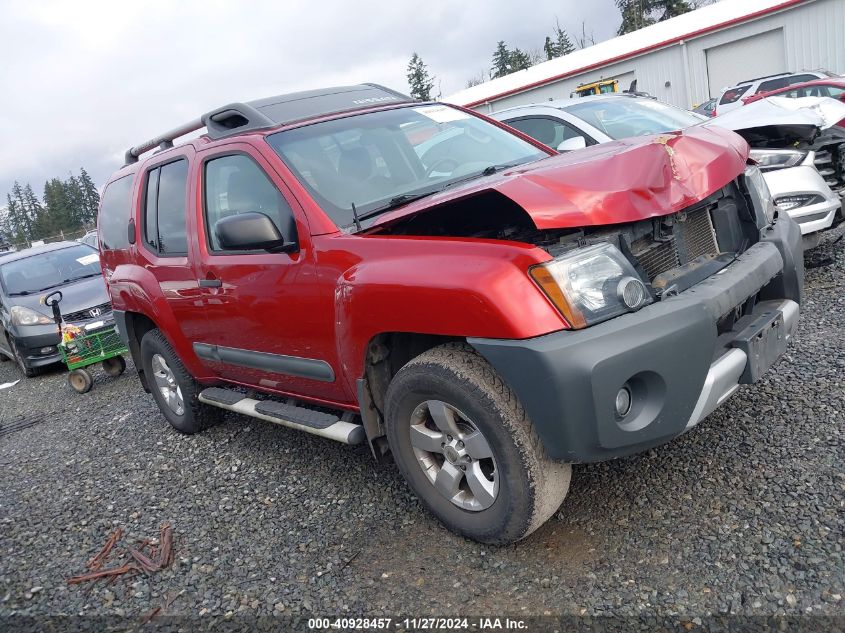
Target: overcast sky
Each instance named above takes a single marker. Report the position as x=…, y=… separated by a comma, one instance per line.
x=84, y=80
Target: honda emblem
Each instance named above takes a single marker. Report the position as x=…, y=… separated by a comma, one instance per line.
x=95, y=312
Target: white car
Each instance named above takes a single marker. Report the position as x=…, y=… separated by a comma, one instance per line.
x=731, y=98
x=796, y=185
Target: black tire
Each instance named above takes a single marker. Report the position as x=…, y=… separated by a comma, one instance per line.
x=196, y=416
x=114, y=366
x=531, y=485
x=29, y=372
x=80, y=380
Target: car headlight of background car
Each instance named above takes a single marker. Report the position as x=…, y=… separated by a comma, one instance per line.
x=591, y=284
x=24, y=316
x=758, y=188
x=772, y=159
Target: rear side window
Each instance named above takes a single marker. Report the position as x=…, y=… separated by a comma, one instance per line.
x=165, y=199
x=733, y=94
x=774, y=84
x=549, y=131
x=114, y=214
x=235, y=184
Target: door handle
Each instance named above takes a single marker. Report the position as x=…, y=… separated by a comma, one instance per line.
x=210, y=283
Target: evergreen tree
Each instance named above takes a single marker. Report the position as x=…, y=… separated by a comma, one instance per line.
x=76, y=201
x=23, y=220
x=563, y=44
x=419, y=80
x=519, y=60
x=639, y=13
x=90, y=195
x=501, y=61
x=560, y=45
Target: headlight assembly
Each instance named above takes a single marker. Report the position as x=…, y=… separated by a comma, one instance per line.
x=772, y=159
x=591, y=284
x=24, y=316
x=759, y=191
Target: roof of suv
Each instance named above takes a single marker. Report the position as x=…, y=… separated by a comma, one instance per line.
x=236, y=118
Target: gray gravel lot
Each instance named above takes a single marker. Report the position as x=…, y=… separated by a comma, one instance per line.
x=745, y=514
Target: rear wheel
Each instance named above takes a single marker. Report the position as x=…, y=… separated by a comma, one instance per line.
x=467, y=449
x=174, y=389
x=114, y=366
x=81, y=380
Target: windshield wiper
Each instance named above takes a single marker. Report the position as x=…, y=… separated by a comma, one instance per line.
x=492, y=169
x=72, y=279
x=395, y=202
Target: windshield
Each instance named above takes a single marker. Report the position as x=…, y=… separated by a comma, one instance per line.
x=383, y=159
x=49, y=270
x=626, y=117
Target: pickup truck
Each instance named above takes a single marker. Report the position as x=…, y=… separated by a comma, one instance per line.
x=368, y=268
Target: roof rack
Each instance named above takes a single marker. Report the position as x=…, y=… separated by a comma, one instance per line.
x=748, y=81
x=237, y=118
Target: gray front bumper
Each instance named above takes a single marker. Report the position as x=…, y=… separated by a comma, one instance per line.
x=670, y=355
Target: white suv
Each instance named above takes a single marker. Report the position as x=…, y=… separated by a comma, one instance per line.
x=732, y=97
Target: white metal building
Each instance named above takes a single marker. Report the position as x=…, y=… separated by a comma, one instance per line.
x=689, y=58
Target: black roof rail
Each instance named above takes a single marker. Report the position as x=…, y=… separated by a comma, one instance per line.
x=237, y=118
x=748, y=81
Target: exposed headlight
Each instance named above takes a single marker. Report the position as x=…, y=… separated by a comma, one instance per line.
x=25, y=316
x=591, y=284
x=771, y=159
x=759, y=191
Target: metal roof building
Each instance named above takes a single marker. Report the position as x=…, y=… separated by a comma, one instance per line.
x=687, y=59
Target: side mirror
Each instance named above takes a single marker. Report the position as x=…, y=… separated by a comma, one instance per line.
x=250, y=232
x=576, y=142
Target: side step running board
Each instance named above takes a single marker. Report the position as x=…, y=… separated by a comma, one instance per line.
x=299, y=418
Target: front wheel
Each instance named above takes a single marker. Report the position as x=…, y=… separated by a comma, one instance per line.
x=29, y=372
x=174, y=389
x=81, y=380
x=467, y=449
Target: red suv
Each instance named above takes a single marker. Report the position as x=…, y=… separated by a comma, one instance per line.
x=354, y=264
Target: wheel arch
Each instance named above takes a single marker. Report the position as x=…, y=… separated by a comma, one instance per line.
x=384, y=355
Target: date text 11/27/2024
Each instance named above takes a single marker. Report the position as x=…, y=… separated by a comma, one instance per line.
x=418, y=624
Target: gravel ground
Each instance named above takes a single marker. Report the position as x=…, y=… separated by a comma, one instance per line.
x=745, y=514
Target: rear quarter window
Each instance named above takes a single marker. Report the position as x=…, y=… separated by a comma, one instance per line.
x=115, y=210
x=733, y=94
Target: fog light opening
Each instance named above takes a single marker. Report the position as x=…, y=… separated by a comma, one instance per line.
x=48, y=350
x=623, y=402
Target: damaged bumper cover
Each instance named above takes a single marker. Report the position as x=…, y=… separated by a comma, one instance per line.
x=670, y=357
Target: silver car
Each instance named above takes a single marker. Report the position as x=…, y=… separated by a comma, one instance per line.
x=568, y=124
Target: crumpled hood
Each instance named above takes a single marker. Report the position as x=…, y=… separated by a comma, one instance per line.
x=623, y=181
x=820, y=112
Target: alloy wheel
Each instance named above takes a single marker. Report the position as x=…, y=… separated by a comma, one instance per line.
x=166, y=383
x=454, y=455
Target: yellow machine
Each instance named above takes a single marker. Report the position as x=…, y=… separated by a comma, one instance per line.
x=600, y=87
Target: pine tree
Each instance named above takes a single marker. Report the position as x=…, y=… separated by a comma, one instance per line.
x=639, y=13
x=23, y=220
x=419, y=80
x=501, y=61
x=519, y=60
x=563, y=44
x=560, y=45
x=90, y=195
x=75, y=200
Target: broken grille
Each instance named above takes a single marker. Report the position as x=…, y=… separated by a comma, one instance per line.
x=691, y=236
x=830, y=161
